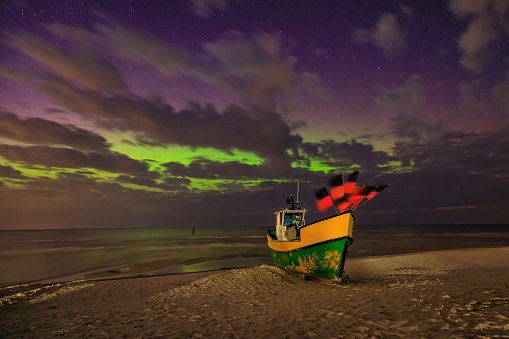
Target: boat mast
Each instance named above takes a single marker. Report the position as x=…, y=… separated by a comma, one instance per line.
x=298, y=187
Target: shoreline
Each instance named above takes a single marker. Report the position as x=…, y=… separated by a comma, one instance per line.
x=447, y=293
x=45, y=256
x=124, y=271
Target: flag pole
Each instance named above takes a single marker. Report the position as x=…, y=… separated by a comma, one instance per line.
x=298, y=187
x=333, y=206
x=366, y=200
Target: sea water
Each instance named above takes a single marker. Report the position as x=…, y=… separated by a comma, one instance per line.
x=64, y=254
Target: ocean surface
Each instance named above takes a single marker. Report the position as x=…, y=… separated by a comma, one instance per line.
x=45, y=256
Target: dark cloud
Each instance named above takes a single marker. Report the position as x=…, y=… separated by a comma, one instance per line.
x=482, y=153
x=73, y=200
x=170, y=184
x=46, y=132
x=410, y=95
x=9, y=172
x=54, y=110
x=198, y=126
x=451, y=176
x=149, y=182
x=231, y=173
x=344, y=154
x=411, y=127
x=80, y=201
x=79, y=185
x=438, y=195
x=177, y=182
x=70, y=158
x=231, y=170
x=82, y=67
x=295, y=125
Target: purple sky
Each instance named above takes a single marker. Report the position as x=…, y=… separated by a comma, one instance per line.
x=207, y=112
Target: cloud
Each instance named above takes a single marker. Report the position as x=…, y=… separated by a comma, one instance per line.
x=479, y=153
x=268, y=135
x=80, y=66
x=130, y=44
x=260, y=70
x=387, y=35
x=143, y=48
x=73, y=184
x=9, y=73
x=77, y=201
x=475, y=43
x=467, y=8
x=170, y=184
x=45, y=132
x=455, y=177
x=198, y=126
x=310, y=83
x=230, y=170
x=73, y=200
x=410, y=95
x=204, y=8
x=411, y=127
x=487, y=26
x=482, y=45
x=257, y=69
x=70, y=158
x=344, y=154
x=9, y=172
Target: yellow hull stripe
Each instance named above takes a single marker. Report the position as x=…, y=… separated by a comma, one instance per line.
x=332, y=228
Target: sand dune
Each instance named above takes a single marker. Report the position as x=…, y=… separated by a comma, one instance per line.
x=444, y=294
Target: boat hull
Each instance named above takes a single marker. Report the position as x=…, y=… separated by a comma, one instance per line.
x=320, y=251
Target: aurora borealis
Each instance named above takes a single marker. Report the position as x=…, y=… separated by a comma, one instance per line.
x=208, y=112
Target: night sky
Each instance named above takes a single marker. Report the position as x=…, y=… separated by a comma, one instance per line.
x=207, y=112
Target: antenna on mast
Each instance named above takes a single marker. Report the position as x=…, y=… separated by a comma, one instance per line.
x=298, y=187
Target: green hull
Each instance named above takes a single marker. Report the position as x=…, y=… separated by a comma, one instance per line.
x=324, y=260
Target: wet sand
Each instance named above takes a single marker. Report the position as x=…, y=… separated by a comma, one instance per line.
x=454, y=293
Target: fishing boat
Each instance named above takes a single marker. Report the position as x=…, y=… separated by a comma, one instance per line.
x=319, y=249
x=313, y=250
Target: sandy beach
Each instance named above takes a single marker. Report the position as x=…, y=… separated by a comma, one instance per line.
x=455, y=293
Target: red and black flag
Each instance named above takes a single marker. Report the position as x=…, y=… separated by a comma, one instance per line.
x=350, y=181
x=343, y=204
x=360, y=193
x=323, y=199
x=337, y=191
x=377, y=190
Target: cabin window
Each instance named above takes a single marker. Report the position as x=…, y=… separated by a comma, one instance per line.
x=294, y=219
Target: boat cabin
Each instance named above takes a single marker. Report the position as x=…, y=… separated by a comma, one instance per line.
x=289, y=221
